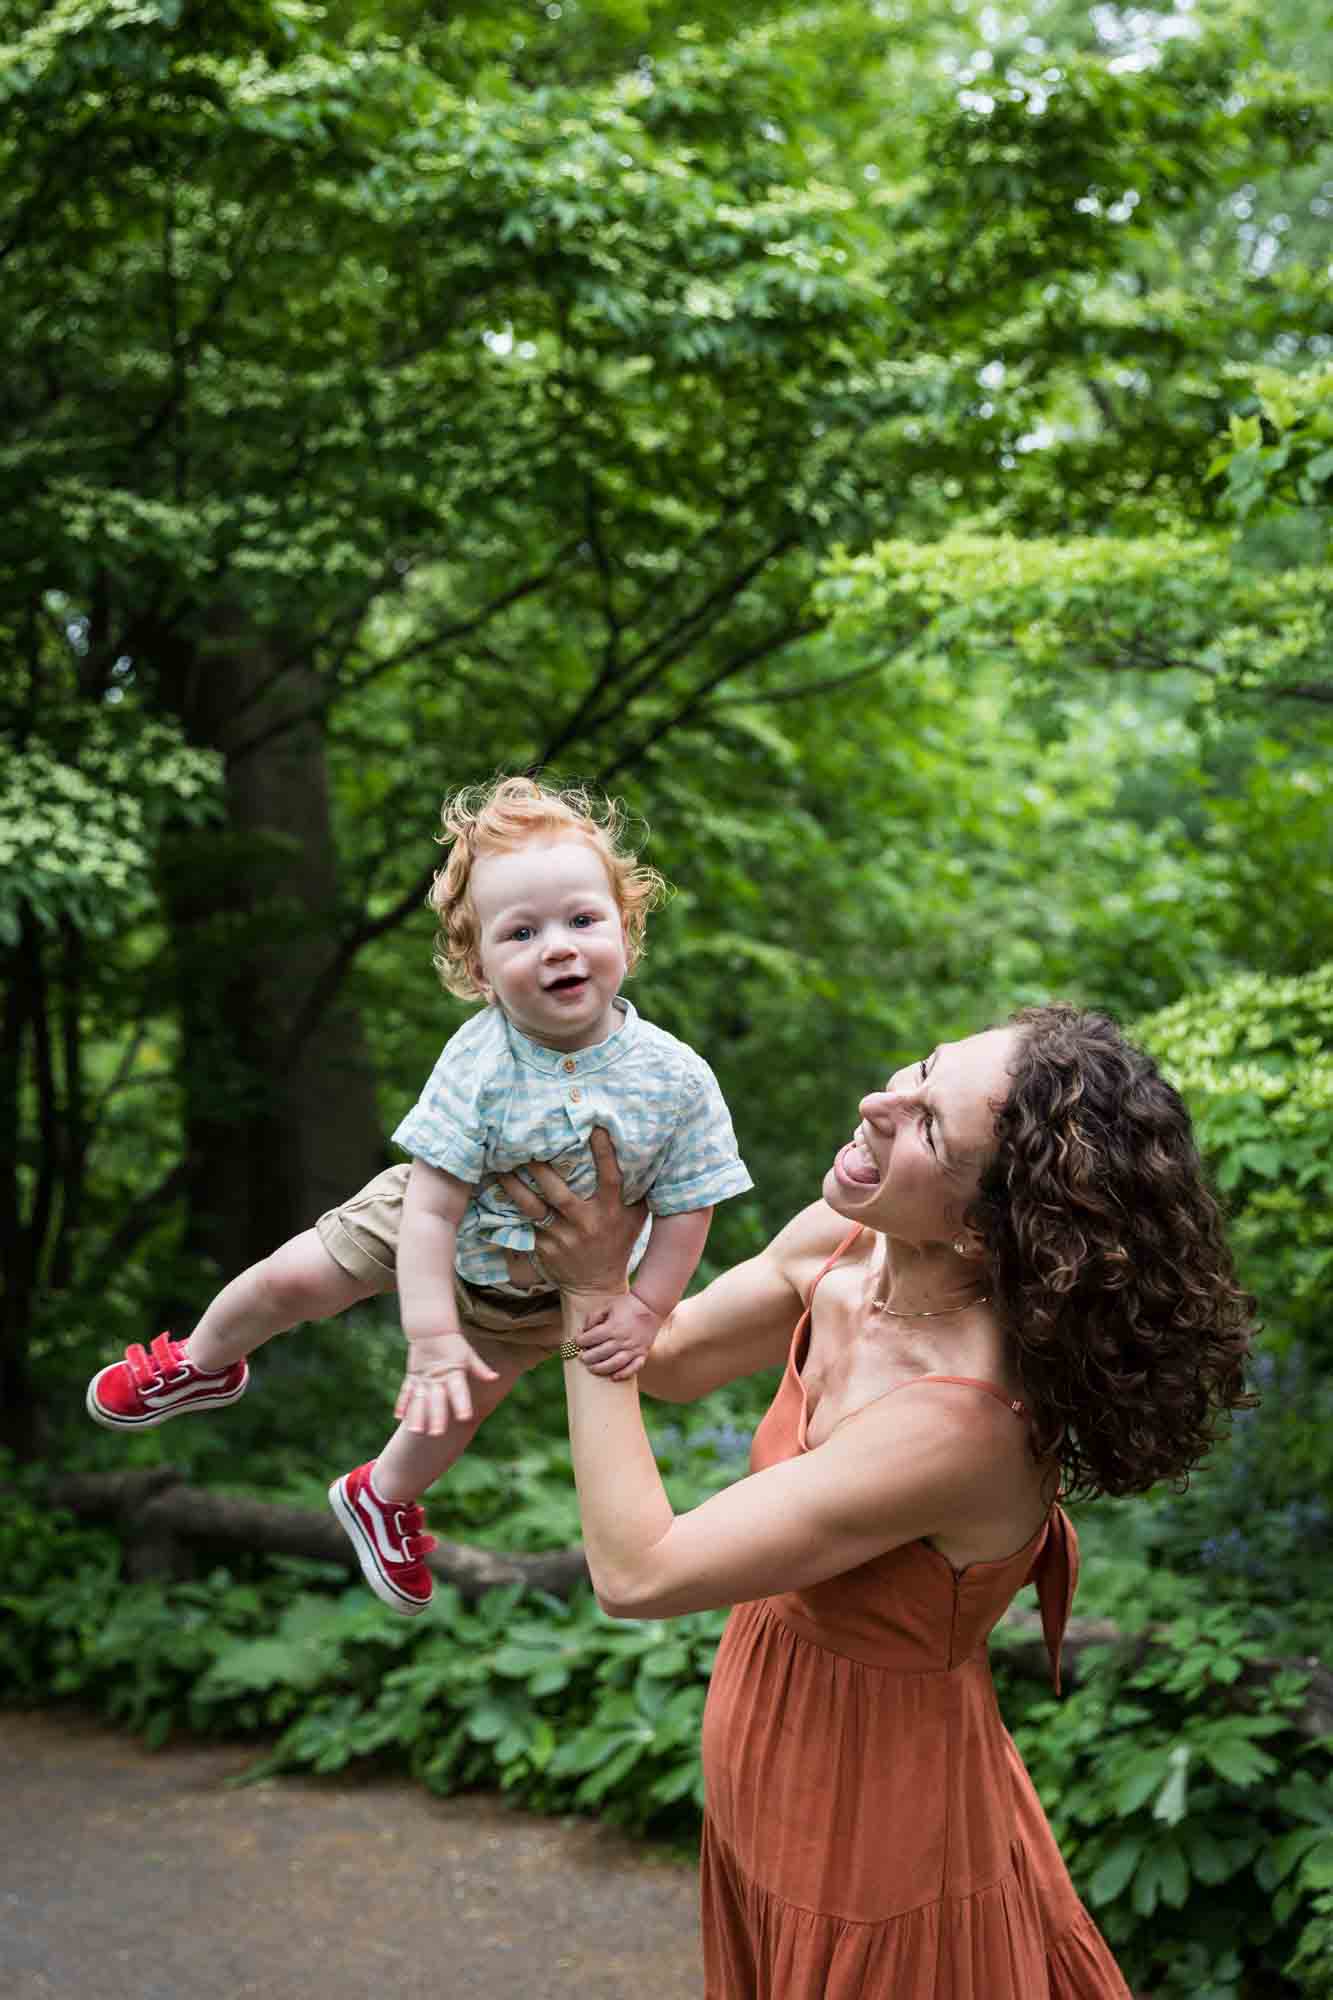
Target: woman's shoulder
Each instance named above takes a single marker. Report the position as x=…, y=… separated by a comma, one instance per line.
x=806, y=1243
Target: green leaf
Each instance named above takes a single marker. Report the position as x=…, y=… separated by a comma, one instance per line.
x=1140, y=1778
x=1113, y=1874
x=1208, y=1859
x=1239, y=1762
x=487, y=1722
x=1162, y=1875
x=1277, y=1861
x=1172, y=1802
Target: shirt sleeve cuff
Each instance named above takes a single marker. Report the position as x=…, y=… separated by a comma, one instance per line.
x=451, y=1153
x=702, y=1191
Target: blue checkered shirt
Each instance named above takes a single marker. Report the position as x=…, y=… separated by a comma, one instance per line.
x=496, y=1099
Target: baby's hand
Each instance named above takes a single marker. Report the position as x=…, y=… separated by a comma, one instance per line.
x=435, y=1388
x=617, y=1344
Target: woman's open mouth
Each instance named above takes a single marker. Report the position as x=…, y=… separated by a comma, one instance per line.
x=856, y=1167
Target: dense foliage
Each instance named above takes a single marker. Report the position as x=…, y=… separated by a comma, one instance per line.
x=894, y=447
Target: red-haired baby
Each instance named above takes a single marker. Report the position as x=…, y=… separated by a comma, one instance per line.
x=541, y=916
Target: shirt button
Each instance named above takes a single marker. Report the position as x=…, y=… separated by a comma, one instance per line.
x=569, y=1065
x=575, y=1096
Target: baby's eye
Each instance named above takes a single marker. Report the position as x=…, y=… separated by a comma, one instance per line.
x=520, y=932
x=584, y=918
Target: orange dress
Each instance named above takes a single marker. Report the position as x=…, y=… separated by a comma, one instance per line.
x=870, y=1832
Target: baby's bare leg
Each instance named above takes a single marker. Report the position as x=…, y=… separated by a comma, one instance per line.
x=300, y=1281
x=409, y=1463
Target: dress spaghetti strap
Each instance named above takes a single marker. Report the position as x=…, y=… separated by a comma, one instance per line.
x=970, y=1382
x=827, y=1266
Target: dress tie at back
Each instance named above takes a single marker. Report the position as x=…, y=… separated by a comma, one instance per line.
x=1055, y=1572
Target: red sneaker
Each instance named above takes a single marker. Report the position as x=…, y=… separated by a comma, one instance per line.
x=149, y=1387
x=389, y=1538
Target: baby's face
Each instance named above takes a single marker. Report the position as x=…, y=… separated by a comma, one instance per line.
x=552, y=942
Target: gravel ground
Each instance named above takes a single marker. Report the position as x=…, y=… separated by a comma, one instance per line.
x=130, y=1874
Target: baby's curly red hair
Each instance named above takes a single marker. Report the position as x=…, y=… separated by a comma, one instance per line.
x=502, y=816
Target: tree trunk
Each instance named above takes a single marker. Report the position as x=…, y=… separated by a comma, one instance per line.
x=274, y=1132
x=19, y=1244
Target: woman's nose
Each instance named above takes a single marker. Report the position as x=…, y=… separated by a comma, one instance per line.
x=887, y=1105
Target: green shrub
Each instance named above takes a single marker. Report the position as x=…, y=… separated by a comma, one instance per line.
x=1200, y=1832
x=1253, y=1058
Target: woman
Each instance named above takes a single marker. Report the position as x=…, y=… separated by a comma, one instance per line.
x=1015, y=1284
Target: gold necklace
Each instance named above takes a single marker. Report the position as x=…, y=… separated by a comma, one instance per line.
x=938, y=1312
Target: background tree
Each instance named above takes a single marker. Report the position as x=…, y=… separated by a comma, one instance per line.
x=389, y=398
x=891, y=446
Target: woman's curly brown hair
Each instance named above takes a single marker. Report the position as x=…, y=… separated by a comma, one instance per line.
x=1108, y=1260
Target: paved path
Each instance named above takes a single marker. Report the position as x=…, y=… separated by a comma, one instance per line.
x=128, y=1874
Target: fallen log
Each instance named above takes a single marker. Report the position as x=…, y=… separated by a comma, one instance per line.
x=160, y=1518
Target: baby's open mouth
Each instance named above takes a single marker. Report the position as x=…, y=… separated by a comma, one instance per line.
x=568, y=984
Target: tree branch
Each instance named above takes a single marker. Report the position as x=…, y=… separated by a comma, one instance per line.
x=592, y=515
x=658, y=655
x=762, y=696
x=316, y=710
x=775, y=643
x=1317, y=691
x=326, y=984
x=137, y=1220
x=446, y=636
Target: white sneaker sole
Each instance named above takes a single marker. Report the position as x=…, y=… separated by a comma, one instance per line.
x=368, y=1557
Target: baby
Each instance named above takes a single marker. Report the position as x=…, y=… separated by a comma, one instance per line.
x=541, y=915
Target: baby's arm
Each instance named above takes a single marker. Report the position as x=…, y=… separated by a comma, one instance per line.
x=619, y=1344
x=439, y=1359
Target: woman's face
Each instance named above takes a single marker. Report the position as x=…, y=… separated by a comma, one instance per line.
x=913, y=1165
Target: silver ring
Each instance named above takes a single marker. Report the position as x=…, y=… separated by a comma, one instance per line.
x=543, y=1220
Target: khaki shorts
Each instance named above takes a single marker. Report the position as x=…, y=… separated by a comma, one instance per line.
x=362, y=1236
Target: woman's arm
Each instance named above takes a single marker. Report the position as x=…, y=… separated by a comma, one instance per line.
x=623, y=1339
x=739, y=1324
x=922, y=1464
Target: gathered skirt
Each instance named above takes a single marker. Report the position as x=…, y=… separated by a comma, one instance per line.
x=872, y=1834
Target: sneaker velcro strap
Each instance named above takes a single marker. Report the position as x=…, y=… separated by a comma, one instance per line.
x=166, y=1353
x=411, y=1524
x=140, y=1367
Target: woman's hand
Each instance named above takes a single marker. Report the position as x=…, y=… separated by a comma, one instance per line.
x=583, y=1244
